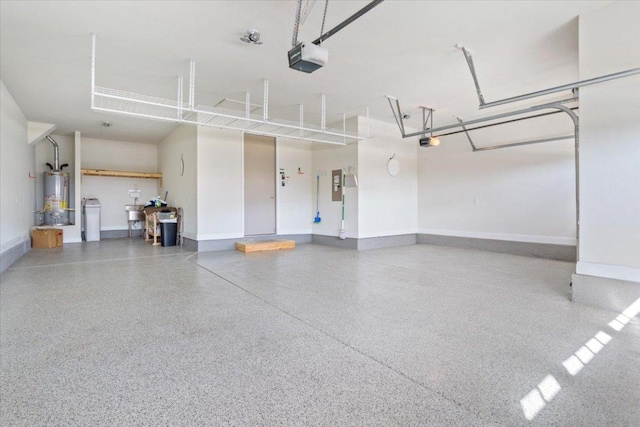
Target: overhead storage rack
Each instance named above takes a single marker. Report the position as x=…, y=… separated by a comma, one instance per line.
x=178, y=111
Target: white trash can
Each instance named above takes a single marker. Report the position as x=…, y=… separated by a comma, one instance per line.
x=91, y=211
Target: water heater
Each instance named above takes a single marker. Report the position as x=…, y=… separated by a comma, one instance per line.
x=56, y=191
x=56, y=198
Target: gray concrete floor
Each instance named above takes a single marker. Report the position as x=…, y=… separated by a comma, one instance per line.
x=119, y=332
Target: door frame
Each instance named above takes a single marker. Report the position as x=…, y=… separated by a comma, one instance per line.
x=275, y=182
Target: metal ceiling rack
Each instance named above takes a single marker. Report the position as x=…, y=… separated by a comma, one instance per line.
x=178, y=111
x=571, y=86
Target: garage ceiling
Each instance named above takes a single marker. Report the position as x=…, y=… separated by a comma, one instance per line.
x=400, y=48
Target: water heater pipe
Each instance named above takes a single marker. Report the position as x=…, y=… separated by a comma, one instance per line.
x=56, y=154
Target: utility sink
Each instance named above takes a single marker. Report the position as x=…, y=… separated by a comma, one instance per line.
x=134, y=212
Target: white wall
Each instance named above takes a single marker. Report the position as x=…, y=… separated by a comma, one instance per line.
x=220, y=180
x=113, y=192
x=17, y=164
x=295, y=200
x=73, y=233
x=610, y=144
x=387, y=205
x=522, y=193
x=326, y=158
x=182, y=188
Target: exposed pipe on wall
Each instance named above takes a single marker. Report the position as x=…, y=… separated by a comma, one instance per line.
x=56, y=153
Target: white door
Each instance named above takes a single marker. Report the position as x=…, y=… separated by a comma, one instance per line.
x=259, y=185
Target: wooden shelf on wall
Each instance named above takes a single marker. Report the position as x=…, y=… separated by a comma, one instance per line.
x=121, y=174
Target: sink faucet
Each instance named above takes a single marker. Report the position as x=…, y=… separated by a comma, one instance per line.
x=135, y=201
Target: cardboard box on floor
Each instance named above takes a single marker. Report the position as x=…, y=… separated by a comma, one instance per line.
x=45, y=238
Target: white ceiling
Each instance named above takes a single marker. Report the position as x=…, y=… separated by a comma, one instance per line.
x=400, y=48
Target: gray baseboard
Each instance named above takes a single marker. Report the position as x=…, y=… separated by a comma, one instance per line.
x=537, y=250
x=336, y=242
x=230, y=244
x=119, y=234
x=609, y=294
x=365, y=243
x=190, y=244
x=386, y=241
x=11, y=255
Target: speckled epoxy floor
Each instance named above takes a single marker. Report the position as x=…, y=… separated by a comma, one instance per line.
x=123, y=333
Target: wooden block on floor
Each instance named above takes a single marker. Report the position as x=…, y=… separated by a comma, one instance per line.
x=265, y=245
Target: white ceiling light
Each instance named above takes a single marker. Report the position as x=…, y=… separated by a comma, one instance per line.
x=252, y=37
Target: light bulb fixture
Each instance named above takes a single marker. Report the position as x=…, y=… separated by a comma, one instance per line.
x=252, y=37
x=429, y=141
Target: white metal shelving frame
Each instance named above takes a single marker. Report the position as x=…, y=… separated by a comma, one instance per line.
x=178, y=111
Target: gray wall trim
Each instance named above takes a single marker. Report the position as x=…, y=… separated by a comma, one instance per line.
x=536, y=250
x=190, y=244
x=119, y=234
x=386, y=241
x=14, y=253
x=334, y=241
x=365, y=243
x=609, y=294
x=217, y=245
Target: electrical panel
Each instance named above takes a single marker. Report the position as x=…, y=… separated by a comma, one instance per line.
x=336, y=185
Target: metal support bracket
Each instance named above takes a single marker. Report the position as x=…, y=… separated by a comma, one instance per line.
x=346, y=22
x=464, y=128
x=397, y=113
x=192, y=85
x=180, y=100
x=296, y=25
x=513, y=144
x=519, y=144
x=472, y=68
x=427, y=117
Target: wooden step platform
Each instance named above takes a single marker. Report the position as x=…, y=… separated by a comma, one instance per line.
x=265, y=245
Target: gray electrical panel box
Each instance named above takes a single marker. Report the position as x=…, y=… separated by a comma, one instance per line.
x=336, y=185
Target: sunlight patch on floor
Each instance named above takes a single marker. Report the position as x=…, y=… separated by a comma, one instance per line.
x=549, y=387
